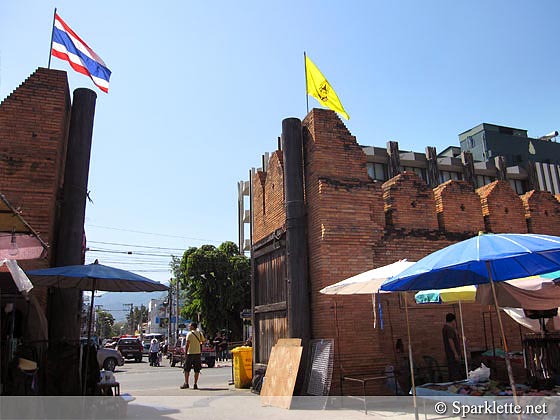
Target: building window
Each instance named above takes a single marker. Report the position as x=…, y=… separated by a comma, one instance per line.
x=517, y=186
x=447, y=175
x=377, y=171
x=484, y=180
x=421, y=172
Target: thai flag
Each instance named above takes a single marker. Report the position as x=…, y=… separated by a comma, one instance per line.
x=67, y=45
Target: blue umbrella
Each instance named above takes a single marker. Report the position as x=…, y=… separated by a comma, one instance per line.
x=483, y=259
x=94, y=277
x=479, y=260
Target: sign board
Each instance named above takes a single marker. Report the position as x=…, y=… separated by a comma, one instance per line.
x=246, y=314
x=181, y=320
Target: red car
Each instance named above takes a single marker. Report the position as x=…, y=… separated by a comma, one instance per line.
x=176, y=354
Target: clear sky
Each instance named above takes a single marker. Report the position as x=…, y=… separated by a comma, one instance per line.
x=199, y=91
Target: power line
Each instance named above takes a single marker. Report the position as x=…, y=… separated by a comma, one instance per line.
x=155, y=234
x=136, y=246
x=114, y=251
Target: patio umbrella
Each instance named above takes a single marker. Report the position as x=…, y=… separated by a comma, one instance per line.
x=94, y=277
x=483, y=259
x=369, y=282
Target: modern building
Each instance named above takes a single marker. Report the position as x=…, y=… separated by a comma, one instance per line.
x=487, y=141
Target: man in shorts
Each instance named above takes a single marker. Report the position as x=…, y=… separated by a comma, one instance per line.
x=192, y=351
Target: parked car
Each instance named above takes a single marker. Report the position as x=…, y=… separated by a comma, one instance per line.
x=130, y=348
x=109, y=359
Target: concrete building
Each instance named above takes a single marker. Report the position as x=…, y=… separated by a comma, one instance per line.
x=487, y=142
x=158, y=317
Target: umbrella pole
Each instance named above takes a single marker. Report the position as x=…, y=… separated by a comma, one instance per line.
x=410, y=360
x=464, y=341
x=508, y=363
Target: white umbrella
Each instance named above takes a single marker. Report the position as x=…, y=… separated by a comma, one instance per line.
x=367, y=282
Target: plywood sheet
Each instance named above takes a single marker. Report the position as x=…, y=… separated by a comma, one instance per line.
x=281, y=373
x=289, y=342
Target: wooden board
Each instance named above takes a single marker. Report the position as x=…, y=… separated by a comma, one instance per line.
x=289, y=342
x=281, y=373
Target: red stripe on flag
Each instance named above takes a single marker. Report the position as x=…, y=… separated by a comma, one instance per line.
x=77, y=67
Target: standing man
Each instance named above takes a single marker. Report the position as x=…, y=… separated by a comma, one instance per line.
x=451, y=345
x=218, y=345
x=192, y=352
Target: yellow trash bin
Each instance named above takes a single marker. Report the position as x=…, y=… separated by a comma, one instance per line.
x=242, y=366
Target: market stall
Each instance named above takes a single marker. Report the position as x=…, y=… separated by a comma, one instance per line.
x=484, y=259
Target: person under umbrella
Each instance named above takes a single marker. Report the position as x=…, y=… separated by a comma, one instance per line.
x=451, y=346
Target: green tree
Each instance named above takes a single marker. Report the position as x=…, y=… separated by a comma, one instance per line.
x=137, y=316
x=105, y=323
x=216, y=286
x=119, y=327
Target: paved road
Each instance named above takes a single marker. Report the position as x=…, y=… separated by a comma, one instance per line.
x=142, y=379
x=157, y=396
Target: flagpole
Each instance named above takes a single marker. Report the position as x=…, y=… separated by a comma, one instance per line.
x=52, y=35
x=306, y=95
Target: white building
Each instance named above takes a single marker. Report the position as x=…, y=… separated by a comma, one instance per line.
x=158, y=317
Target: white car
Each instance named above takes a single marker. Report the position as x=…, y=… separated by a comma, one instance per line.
x=109, y=359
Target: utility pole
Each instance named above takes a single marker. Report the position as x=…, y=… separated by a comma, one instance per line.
x=169, y=313
x=97, y=327
x=130, y=321
x=177, y=312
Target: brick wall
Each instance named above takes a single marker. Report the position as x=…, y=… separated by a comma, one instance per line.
x=356, y=224
x=458, y=207
x=409, y=200
x=33, y=134
x=542, y=211
x=34, y=122
x=502, y=208
x=344, y=208
x=269, y=212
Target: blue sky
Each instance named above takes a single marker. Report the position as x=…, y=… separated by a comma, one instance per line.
x=199, y=91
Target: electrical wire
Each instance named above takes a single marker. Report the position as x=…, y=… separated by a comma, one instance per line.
x=153, y=233
x=136, y=246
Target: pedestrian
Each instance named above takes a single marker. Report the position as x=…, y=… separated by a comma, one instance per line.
x=218, y=345
x=154, y=350
x=452, y=348
x=224, y=347
x=193, y=345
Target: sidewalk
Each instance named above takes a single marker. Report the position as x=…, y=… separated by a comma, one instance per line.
x=243, y=405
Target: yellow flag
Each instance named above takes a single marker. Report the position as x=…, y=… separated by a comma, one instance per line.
x=320, y=88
